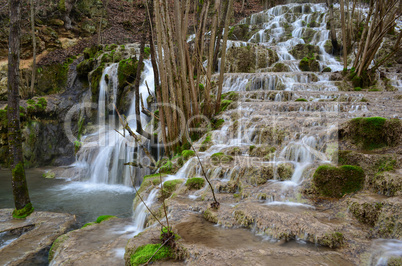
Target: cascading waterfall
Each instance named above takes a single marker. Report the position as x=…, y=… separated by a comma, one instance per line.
x=103, y=154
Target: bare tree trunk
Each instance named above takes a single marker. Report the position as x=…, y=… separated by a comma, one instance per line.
x=33, y=49
x=23, y=206
x=334, y=41
x=223, y=56
x=208, y=86
x=344, y=41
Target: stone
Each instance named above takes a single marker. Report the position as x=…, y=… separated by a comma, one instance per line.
x=39, y=230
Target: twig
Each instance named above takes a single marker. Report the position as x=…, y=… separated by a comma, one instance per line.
x=167, y=240
x=164, y=206
x=142, y=200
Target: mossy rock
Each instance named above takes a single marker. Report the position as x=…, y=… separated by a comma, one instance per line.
x=85, y=67
x=225, y=104
x=285, y=171
x=373, y=132
x=49, y=174
x=220, y=158
x=327, y=69
x=241, y=32
x=210, y=216
x=231, y=95
x=144, y=253
x=366, y=212
x=207, y=142
x=170, y=186
x=187, y=154
x=331, y=181
x=95, y=78
x=280, y=67
x=300, y=51
x=386, y=183
x=56, y=244
x=127, y=71
x=195, y=183
x=309, y=64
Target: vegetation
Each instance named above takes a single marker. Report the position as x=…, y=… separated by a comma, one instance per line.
x=195, y=183
x=104, y=218
x=373, y=132
x=331, y=181
x=144, y=253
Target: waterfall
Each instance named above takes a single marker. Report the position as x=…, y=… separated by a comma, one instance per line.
x=103, y=154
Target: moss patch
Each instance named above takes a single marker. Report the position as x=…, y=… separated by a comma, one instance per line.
x=60, y=240
x=187, y=154
x=335, y=182
x=195, y=183
x=104, y=218
x=301, y=100
x=373, y=132
x=220, y=157
x=170, y=186
x=24, y=212
x=143, y=253
x=127, y=71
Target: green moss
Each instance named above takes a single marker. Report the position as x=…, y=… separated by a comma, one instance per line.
x=225, y=104
x=335, y=182
x=143, y=253
x=206, y=143
x=170, y=186
x=127, y=71
x=85, y=67
x=154, y=175
x=187, y=154
x=167, y=167
x=62, y=6
x=327, y=69
x=195, y=183
x=49, y=174
x=309, y=64
x=95, y=81
x=104, y=218
x=374, y=132
x=88, y=224
x=220, y=157
x=147, y=52
x=77, y=146
x=24, y=212
x=217, y=123
x=60, y=240
x=357, y=89
x=301, y=100
x=210, y=216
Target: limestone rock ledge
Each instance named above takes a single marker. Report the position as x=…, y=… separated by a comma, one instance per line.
x=39, y=230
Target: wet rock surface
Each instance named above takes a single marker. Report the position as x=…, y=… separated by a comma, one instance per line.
x=96, y=244
x=34, y=236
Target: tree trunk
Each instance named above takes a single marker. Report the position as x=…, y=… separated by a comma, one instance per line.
x=334, y=41
x=23, y=206
x=344, y=41
x=223, y=56
x=33, y=49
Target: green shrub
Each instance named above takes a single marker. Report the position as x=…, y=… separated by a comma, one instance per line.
x=335, y=182
x=143, y=253
x=195, y=183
